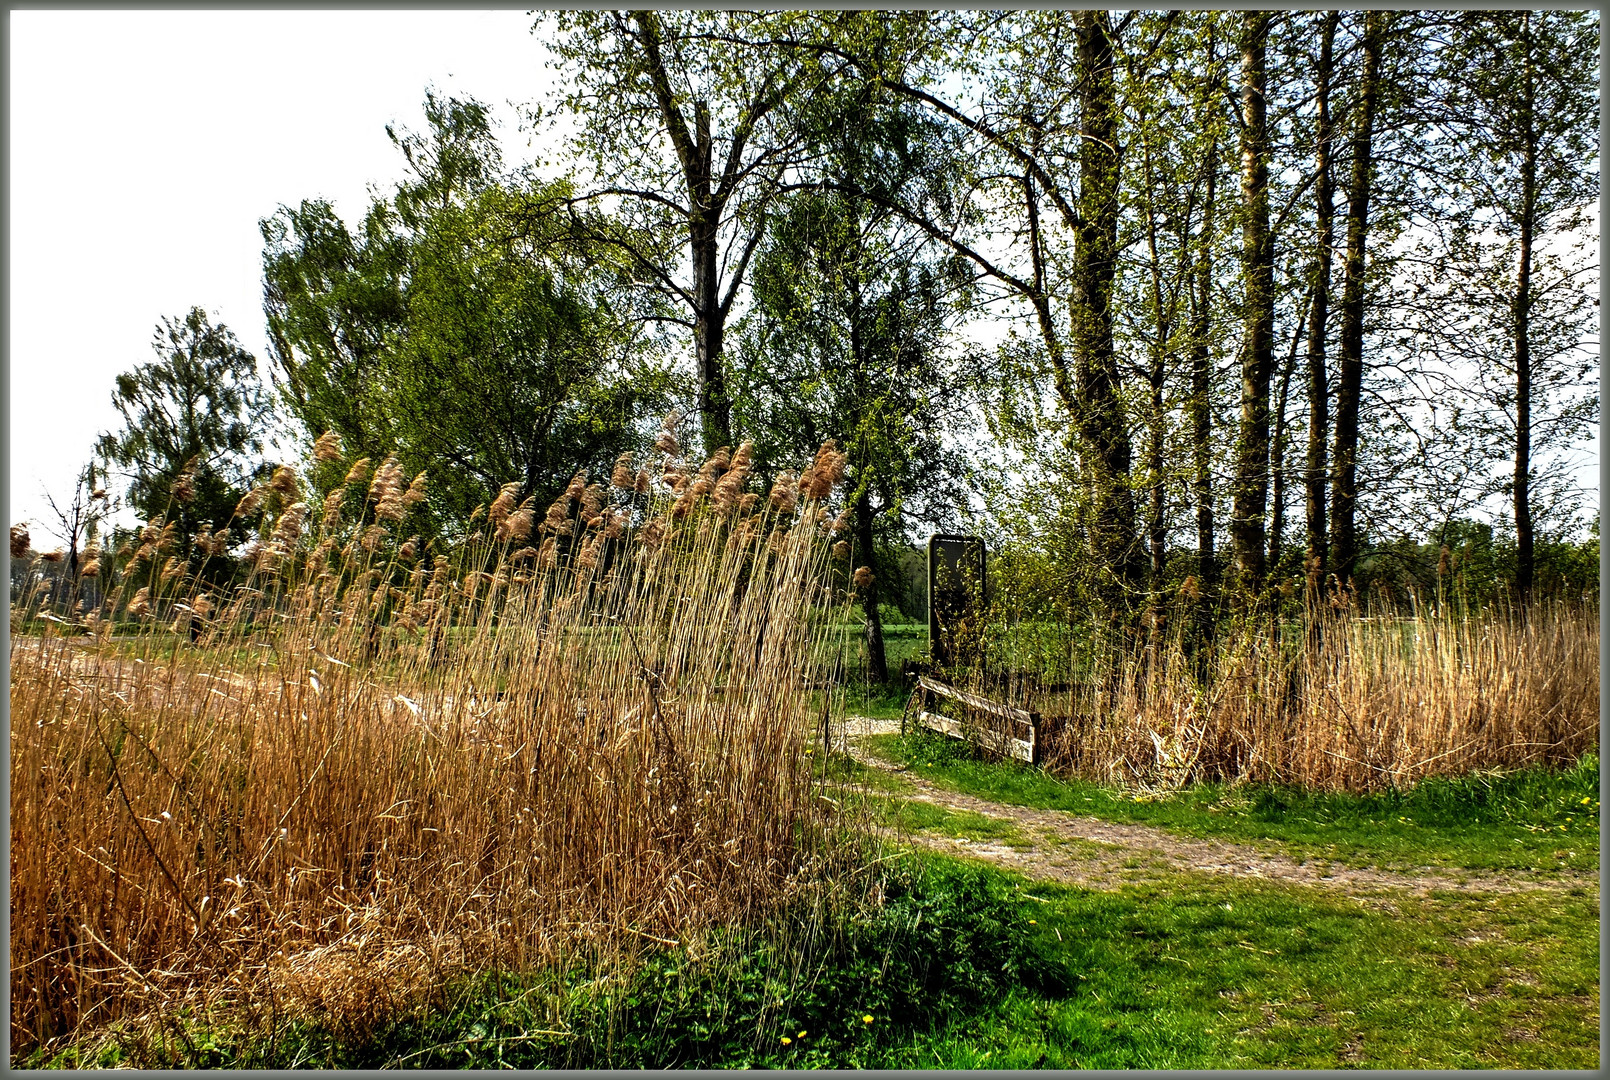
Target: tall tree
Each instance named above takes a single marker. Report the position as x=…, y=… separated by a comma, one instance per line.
x=684, y=120
x=1028, y=103
x=333, y=306
x=1201, y=407
x=1524, y=103
x=1250, y=498
x=1350, y=362
x=1168, y=95
x=191, y=420
x=1098, y=412
x=847, y=338
x=469, y=328
x=1319, y=311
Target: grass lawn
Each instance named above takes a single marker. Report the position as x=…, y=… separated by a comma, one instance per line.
x=1200, y=971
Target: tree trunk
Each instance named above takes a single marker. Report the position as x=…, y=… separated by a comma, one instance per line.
x=1251, y=495
x=708, y=323
x=696, y=154
x=1350, y=365
x=1156, y=525
x=1202, y=382
x=1277, y=445
x=1156, y=420
x=877, y=660
x=1099, y=418
x=1318, y=388
x=1524, y=550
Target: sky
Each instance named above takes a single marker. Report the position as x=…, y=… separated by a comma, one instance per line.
x=146, y=146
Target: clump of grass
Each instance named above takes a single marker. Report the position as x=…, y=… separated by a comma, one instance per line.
x=563, y=738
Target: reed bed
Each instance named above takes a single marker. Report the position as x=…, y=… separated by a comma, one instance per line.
x=374, y=763
x=1343, y=702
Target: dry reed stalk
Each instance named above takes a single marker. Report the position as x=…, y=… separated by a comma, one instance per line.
x=488, y=762
x=1365, y=703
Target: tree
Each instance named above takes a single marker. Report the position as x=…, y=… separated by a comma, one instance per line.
x=1172, y=99
x=79, y=521
x=1201, y=353
x=1098, y=412
x=684, y=119
x=468, y=328
x=1250, y=501
x=1523, y=100
x=1350, y=362
x=191, y=421
x=1318, y=312
x=847, y=338
x=1028, y=104
x=333, y=302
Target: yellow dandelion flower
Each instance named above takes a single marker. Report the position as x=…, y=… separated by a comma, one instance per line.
x=867, y=1019
x=802, y=1034
x=786, y=1040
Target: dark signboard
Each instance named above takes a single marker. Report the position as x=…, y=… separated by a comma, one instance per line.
x=955, y=598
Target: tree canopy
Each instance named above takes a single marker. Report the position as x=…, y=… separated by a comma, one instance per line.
x=194, y=420
x=1225, y=305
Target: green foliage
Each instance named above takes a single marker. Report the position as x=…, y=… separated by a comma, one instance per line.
x=1471, y=565
x=465, y=327
x=847, y=338
x=333, y=301
x=947, y=940
x=198, y=412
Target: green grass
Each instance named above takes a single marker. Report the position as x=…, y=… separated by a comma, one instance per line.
x=879, y=793
x=918, y=816
x=1535, y=819
x=885, y=702
x=1199, y=971
x=963, y=967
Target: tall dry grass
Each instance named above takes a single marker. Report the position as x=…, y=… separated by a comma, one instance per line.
x=379, y=764
x=1349, y=701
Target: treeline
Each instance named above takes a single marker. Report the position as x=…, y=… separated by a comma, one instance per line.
x=1245, y=306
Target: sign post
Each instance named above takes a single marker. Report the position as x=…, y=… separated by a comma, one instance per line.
x=955, y=598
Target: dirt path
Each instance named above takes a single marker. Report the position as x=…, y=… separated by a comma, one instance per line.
x=1098, y=854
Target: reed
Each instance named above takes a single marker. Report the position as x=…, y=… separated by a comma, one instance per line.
x=379, y=763
x=1349, y=700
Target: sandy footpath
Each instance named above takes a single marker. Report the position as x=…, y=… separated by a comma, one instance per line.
x=1099, y=854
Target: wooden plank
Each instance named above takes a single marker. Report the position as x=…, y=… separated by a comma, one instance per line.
x=940, y=723
x=1022, y=749
x=974, y=701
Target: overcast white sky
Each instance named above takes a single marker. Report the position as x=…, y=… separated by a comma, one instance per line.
x=145, y=147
